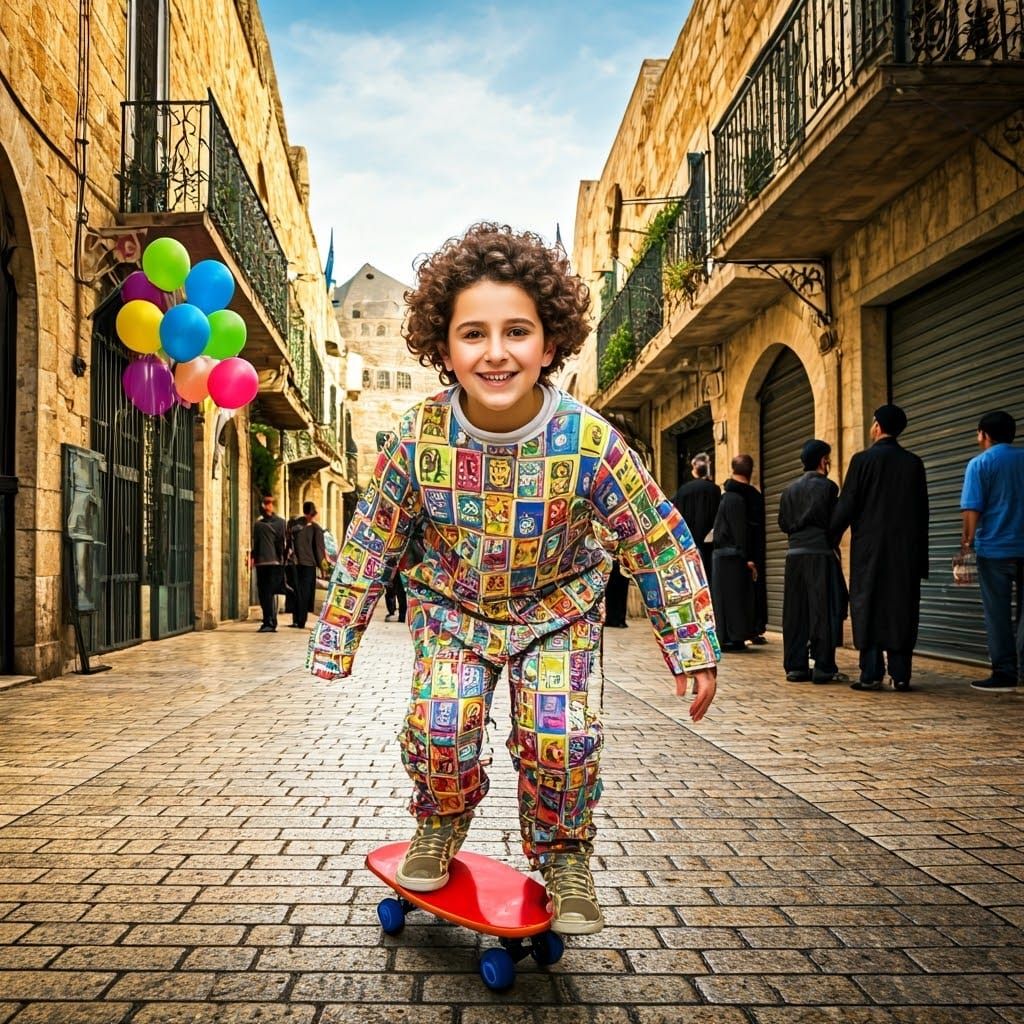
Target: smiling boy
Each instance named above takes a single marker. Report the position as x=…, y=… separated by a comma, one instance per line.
x=504, y=477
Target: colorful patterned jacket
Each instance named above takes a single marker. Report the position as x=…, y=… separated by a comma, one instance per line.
x=508, y=532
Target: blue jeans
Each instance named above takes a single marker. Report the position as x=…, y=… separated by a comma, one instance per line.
x=996, y=578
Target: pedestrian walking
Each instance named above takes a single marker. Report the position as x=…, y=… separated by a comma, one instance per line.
x=293, y=525
x=616, y=597
x=735, y=569
x=268, y=555
x=395, y=599
x=310, y=556
x=697, y=501
x=506, y=477
x=992, y=504
x=814, y=599
x=884, y=501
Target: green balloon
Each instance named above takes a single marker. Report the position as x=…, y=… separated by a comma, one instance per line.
x=166, y=264
x=227, y=334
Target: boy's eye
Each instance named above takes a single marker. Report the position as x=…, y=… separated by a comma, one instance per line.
x=518, y=332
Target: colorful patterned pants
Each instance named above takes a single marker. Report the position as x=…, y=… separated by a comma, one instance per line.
x=555, y=741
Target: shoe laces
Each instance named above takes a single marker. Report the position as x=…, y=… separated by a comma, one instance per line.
x=568, y=875
x=434, y=837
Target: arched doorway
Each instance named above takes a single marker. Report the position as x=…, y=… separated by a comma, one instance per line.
x=8, y=479
x=229, y=524
x=787, y=420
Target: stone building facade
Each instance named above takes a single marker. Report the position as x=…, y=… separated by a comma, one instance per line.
x=121, y=122
x=811, y=208
x=370, y=308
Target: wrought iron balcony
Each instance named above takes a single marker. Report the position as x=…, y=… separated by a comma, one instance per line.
x=179, y=158
x=636, y=314
x=312, y=450
x=821, y=49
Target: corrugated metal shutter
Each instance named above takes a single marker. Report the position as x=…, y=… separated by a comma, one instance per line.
x=787, y=421
x=957, y=351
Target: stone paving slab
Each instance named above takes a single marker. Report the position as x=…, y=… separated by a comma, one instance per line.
x=182, y=840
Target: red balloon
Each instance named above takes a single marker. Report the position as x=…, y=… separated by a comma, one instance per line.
x=233, y=383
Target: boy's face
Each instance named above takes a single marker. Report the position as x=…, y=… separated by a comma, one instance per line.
x=497, y=349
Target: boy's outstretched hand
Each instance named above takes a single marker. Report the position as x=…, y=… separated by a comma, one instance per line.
x=704, y=685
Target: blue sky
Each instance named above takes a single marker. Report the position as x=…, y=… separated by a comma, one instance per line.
x=421, y=118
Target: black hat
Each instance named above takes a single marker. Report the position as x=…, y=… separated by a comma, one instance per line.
x=892, y=419
x=813, y=452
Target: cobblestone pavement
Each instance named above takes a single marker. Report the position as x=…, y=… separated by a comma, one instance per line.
x=182, y=839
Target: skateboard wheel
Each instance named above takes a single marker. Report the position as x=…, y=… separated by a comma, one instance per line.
x=547, y=949
x=497, y=969
x=391, y=916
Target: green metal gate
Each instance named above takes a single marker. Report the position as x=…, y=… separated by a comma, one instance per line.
x=229, y=524
x=8, y=481
x=956, y=352
x=787, y=421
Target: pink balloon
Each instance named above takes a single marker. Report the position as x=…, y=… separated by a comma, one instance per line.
x=233, y=383
x=191, y=378
x=149, y=385
x=138, y=286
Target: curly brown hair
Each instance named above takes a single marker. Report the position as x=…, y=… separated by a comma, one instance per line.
x=494, y=252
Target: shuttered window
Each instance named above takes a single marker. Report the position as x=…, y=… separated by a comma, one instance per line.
x=787, y=421
x=957, y=351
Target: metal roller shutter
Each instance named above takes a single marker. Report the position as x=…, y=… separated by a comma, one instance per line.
x=957, y=351
x=787, y=421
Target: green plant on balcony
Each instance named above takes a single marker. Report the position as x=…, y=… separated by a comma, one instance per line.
x=264, y=465
x=684, y=278
x=618, y=354
x=657, y=232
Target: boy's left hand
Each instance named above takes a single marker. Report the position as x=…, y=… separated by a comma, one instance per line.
x=705, y=685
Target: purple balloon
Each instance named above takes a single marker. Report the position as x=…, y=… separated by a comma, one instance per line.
x=138, y=286
x=149, y=385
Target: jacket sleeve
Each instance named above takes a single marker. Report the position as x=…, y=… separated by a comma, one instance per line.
x=376, y=539
x=319, y=547
x=922, y=520
x=656, y=548
x=848, y=506
x=785, y=525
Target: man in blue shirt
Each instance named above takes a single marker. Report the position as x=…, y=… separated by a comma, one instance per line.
x=992, y=503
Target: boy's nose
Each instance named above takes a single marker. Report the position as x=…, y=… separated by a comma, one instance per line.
x=495, y=349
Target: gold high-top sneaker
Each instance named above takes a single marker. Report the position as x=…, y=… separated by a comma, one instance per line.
x=437, y=840
x=571, y=888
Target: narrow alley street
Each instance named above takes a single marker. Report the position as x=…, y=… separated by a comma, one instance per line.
x=182, y=839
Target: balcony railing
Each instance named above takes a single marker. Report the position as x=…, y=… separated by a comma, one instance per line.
x=179, y=157
x=636, y=314
x=321, y=442
x=298, y=349
x=816, y=51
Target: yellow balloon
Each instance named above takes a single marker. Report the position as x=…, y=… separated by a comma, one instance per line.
x=138, y=326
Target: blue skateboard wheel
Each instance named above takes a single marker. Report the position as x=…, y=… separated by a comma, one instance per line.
x=391, y=916
x=497, y=969
x=547, y=949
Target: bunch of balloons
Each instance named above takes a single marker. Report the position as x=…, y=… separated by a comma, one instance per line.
x=189, y=350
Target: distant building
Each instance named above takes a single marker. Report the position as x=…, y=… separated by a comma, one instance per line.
x=370, y=308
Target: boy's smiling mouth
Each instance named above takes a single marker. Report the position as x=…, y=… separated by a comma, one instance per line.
x=497, y=378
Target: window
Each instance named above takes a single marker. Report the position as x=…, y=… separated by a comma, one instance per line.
x=356, y=314
x=381, y=330
x=403, y=381
x=384, y=379
x=367, y=379
x=365, y=330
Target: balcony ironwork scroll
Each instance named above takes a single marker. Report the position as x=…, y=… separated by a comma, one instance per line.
x=179, y=157
x=816, y=51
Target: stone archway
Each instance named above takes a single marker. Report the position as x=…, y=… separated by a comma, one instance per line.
x=19, y=457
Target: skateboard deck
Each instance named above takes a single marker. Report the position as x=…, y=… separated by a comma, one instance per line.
x=482, y=894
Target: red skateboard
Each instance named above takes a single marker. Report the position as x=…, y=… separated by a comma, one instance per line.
x=483, y=895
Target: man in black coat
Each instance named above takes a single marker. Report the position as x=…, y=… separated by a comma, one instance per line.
x=697, y=502
x=735, y=566
x=269, y=543
x=885, y=502
x=814, y=599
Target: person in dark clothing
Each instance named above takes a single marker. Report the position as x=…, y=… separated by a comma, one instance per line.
x=268, y=554
x=394, y=598
x=885, y=502
x=615, y=594
x=295, y=523
x=756, y=526
x=310, y=554
x=697, y=501
x=814, y=595
x=735, y=569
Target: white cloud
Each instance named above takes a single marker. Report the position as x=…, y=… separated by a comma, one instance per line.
x=412, y=137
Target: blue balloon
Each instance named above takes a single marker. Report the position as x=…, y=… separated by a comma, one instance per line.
x=184, y=332
x=209, y=286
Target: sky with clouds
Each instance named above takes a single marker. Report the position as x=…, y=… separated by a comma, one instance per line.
x=421, y=118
